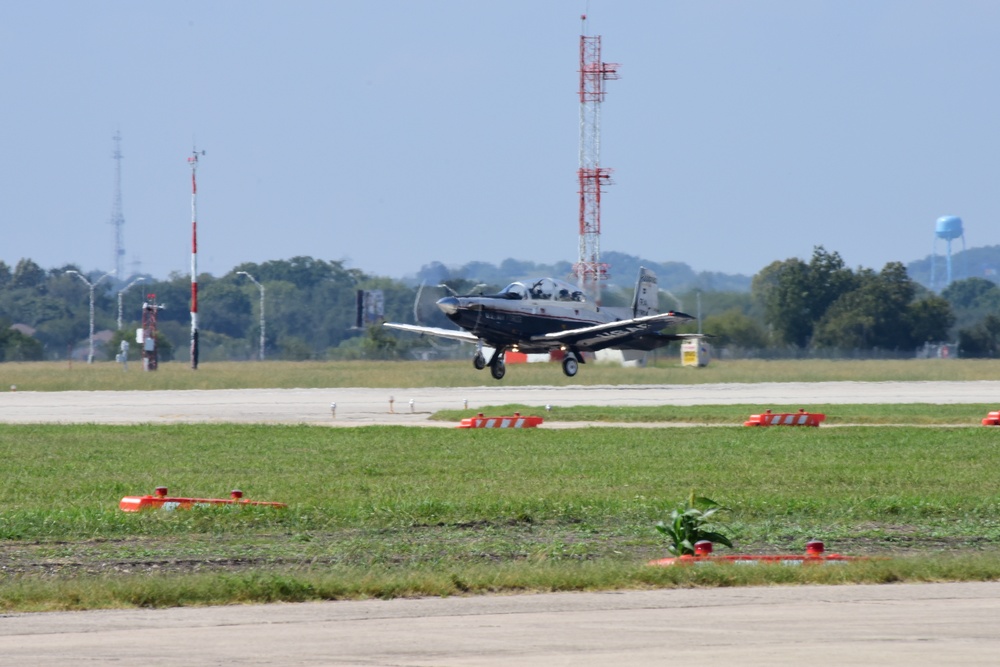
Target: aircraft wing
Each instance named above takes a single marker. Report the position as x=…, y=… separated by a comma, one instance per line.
x=639, y=330
x=454, y=334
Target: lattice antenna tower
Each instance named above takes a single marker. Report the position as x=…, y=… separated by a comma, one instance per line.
x=117, y=217
x=589, y=270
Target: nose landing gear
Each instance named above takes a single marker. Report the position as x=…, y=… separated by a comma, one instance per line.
x=497, y=366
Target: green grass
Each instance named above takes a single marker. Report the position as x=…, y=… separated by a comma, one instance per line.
x=389, y=511
x=62, y=376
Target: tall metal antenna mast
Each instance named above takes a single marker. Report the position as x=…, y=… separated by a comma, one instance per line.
x=117, y=218
x=193, y=161
x=589, y=270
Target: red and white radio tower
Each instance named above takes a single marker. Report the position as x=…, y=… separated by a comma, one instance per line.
x=589, y=270
x=193, y=161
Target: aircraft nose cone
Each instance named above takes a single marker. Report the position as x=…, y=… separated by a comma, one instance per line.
x=448, y=305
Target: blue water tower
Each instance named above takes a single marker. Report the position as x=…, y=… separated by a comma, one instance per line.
x=948, y=228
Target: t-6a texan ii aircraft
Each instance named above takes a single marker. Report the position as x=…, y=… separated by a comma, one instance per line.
x=538, y=316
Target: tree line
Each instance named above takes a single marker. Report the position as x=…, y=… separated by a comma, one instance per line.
x=815, y=306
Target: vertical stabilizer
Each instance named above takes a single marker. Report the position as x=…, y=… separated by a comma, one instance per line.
x=646, y=300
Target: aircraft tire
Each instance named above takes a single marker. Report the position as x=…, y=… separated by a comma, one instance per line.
x=479, y=362
x=498, y=370
x=570, y=366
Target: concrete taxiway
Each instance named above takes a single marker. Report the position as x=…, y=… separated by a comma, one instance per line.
x=889, y=625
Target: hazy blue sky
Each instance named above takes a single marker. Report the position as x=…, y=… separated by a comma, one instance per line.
x=391, y=134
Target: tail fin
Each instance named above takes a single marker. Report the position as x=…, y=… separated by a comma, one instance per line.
x=646, y=300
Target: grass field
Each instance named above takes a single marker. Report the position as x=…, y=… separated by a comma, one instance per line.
x=52, y=376
x=389, y=511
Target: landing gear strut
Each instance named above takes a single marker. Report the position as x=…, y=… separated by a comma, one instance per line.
x=478, y=360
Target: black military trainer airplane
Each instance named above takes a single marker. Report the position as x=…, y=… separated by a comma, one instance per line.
x=548, y=314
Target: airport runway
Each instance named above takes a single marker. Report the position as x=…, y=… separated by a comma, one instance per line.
x=890, y=625
x=355, y=406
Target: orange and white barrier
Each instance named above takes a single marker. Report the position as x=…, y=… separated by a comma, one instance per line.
x=703, y=554
x=992, y=419
x=517, y=421
x=800, y=418
x=160, y=500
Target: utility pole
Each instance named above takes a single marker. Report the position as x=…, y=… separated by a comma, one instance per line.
x=193, y=161
x=261, y=288
x=90, y=286
x=117, y=217
x=120, y=292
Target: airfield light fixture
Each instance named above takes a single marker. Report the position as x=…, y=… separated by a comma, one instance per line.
x=90, y=286
x=262, y=322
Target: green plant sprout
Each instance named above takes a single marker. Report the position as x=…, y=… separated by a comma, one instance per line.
x=690, y=523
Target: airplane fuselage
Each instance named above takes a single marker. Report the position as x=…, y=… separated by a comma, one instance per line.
x=513, y=323
x=547, y=315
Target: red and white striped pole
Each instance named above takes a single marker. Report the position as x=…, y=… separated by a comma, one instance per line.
x=193, y=161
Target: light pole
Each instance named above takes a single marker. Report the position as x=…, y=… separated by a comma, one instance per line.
x=261, y=288
x=91, y=285
x=120, y=292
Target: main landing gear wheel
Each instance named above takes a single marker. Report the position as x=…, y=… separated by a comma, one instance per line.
x=479, y=361
x=570, y=366
x=498, y=369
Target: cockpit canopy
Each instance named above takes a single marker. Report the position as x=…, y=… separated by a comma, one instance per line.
x=544, y=289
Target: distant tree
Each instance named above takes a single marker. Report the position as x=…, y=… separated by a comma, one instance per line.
x=29, y=306
x=380, y=344
x=294, y=348
x=982, y=340
x=516, y=268
x=433, y=273
x=303, y=272
x=930, y=320
x=972, y=293
x=228, y=308
x=27, y=274
x=735, y=328
x=712, y=303
x=875, y=315
x=16, y=346
x=795, y=296
x=784, y=291
x=972, y=300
